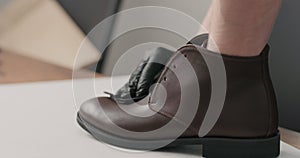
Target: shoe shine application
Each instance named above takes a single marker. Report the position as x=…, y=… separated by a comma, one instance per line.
x=247, y=126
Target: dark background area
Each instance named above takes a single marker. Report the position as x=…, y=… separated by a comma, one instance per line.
x=87, y=14
x=285, y=64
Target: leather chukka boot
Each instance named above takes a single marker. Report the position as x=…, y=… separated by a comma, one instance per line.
x=176, y=110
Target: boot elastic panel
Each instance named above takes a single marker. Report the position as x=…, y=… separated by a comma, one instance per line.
x=199, y=40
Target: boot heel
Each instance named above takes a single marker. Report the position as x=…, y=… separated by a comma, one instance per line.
x=242, y=148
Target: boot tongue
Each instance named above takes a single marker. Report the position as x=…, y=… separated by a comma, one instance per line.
x=198, y=40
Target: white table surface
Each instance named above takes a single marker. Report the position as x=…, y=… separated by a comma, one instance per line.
x=37, y=120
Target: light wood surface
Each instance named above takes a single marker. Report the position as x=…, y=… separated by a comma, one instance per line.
x=46, y=32
x=290, y=137
x=15, y=68
x=13, y=11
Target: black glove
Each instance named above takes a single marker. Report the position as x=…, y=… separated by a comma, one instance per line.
x=145, y=75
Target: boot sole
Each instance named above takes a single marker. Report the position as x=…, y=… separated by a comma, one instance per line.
x=212, y=147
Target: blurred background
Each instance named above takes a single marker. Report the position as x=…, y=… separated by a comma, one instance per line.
x=52, y=30
x=46, y=34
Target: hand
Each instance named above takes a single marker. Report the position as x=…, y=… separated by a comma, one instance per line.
x=145, y=75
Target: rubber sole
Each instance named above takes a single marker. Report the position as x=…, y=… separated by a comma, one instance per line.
x=212, y=147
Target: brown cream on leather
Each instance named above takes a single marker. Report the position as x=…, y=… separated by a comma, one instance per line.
x=249, y=111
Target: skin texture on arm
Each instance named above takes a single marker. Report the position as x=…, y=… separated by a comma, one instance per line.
x=240, y=27
x=206, y=22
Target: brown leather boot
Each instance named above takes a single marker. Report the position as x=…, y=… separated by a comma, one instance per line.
x=245, y=126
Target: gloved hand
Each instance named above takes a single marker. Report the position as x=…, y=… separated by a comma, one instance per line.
x=145, y=75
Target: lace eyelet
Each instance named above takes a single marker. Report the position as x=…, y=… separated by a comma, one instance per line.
x=165, y=78
x=185, y=55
